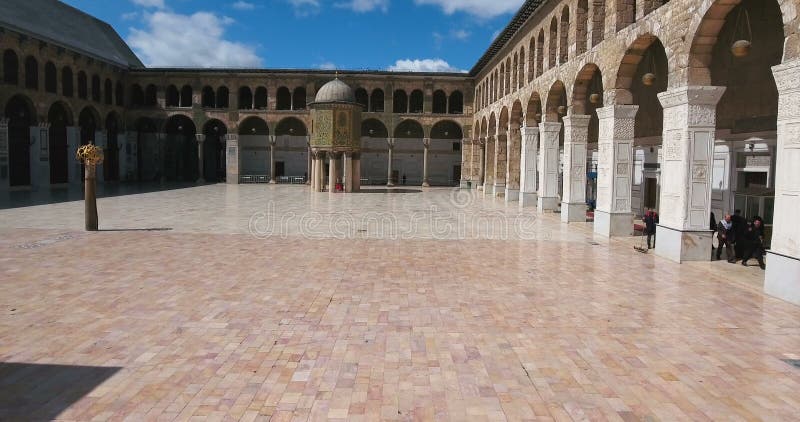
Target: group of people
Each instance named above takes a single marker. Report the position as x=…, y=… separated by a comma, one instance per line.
x=740, y=238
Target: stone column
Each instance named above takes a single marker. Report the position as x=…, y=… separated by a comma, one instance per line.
x=547, y=195
x=500, y=163
x=4, y=164
x=272, y=173
x=573, y=199
x=688, y=152
x=426, y=143
x=389, y=181
x=312, y=176
x=347, y=171
x=613, y=216
x=201, y=139
x=356, y=172
x=529, y=157
x=513, y=150
x=488, y=178
x=481, y=160
x=232, y=159
x=467, y=163
x=41, y=157
x=783, y=268
x=308, y=165
x=332, y=173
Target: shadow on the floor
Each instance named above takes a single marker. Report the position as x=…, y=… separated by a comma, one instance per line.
x=74, y=192
x=154, y=229
x=386, y=190
x=33, y=392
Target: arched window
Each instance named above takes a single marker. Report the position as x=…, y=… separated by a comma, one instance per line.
x=553, y=44
x=532, y=60
x=137, y=95
x=10, y=67
x=362, y=98
x=172, y=97
x=96, y=88
x=416, y=101
x=260, y=98
x=108, y=92
x=223, y=97
x=299, y=98
x=439, y=102
x=540, y=53
x=582, y=22
x=598, y=21
x=521, y=69
x=50, y=78
x=66, y=82
x=83, y=90
x=456, y=105
x=626, y=13
x=513, y=73
x=186, y=96
x=283, y=99
x=400, y=103
x=208, y=97
x=502, y=81
x=376, y=101
x=31, y=73
x=245, y=98
x=120, y=94
x=151, y=96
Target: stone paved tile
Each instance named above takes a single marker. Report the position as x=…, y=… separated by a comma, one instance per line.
x=227, y=326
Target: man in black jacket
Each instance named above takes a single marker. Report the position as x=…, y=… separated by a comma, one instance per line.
x=726, y=237
x=753, y=242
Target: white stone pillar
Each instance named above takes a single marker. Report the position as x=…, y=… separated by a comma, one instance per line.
x=200, y=163
x=688, y=152
x=232, y=159
x=356, y=172
x=308, y=165
x=40, y=156
x=783, y=263
x=500, y=163
x=272, y=173
x=481, y=160
x=467, y=163
x=513, y=150
x=332, y=173
x=426, y=143
x=547, y=199
x=488, y=177
x=613, y=216
x=389, y=181
x=573, y=198
x=528, y=164
x=4, y=164
x=347, y=171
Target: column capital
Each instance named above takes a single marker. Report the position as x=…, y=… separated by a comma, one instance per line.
x=200, y=137
x=550, y=127
x=529, y=130
x=617, y=112
x=426, y=142
x=272, y=140
x=232, y=137
x=787, y=76
x=697, y=95
x=577, y=120
x=390, y=141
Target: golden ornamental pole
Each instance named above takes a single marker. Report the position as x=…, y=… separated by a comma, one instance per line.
x=90, y=155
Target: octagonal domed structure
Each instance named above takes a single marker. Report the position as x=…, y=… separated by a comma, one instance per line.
x=335, y=91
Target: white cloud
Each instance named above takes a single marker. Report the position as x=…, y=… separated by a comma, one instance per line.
x=480, y=8
x=130, y=16
x=365, y=5
x=327, y=66
x=305, y=7
x=423, y=65
x=460, y=34
x=159, y=4
x=196, y=40
x=243, y=5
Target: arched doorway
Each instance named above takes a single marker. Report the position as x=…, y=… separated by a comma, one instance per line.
x=214, y=151
x=444, y=155
x=60, y=119
x=587, y=97
x=254, y=146
x=180, y=150
x=21, y=115
x=148, y=154
x=111, y=161
x=408, y=153
x=374, y=151
x=291, y=148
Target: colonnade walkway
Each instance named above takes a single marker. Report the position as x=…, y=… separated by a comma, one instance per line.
x=253, y=301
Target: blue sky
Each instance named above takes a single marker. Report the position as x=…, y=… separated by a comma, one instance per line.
x=424, y=35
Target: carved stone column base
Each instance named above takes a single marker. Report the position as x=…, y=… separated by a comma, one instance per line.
x=547, y=203
x=613, y=224
x=682, y=246
x=528, y=199
x=573, y=213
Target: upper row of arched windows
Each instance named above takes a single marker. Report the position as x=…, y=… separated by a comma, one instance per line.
x=106, y=92
x=512, y=73
x=414, y=103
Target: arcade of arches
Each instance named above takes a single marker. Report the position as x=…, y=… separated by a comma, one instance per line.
x=578, y=104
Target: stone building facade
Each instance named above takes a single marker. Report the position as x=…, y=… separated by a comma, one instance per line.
x=619, y=104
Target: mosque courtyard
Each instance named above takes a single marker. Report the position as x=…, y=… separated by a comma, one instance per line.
x=269, y=302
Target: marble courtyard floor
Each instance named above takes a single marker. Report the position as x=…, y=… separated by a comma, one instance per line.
x=268, y=302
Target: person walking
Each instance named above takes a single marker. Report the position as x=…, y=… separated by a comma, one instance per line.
x=650, y=222
x=726, y=238
x=754, y=243
x=739, y=228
